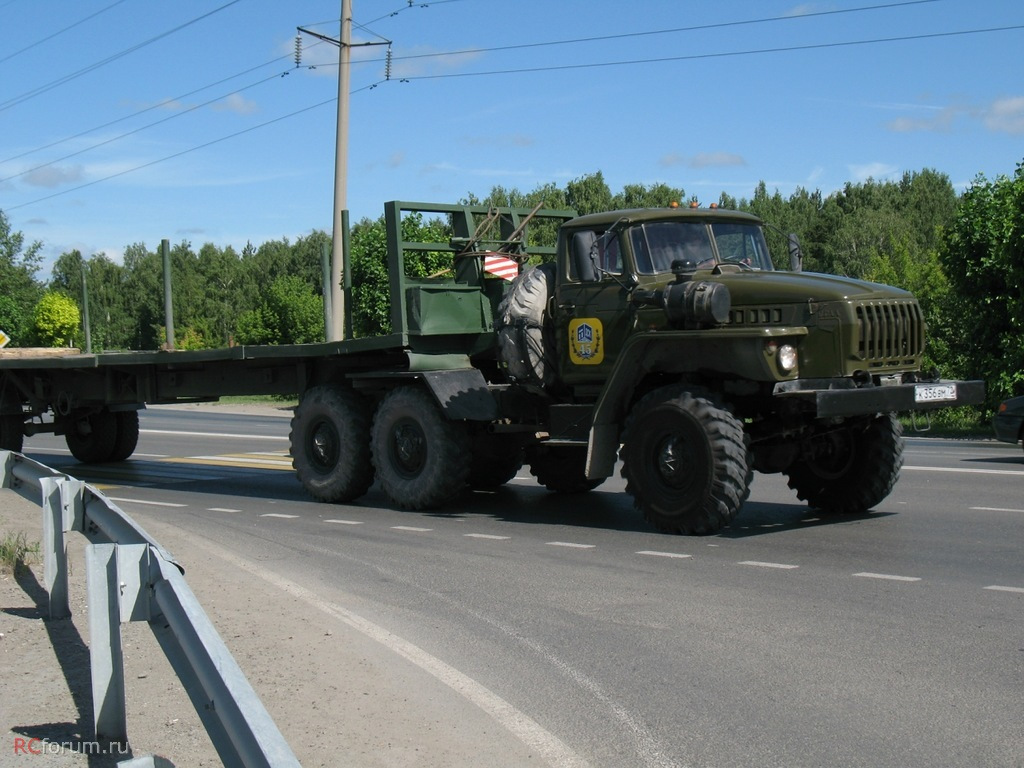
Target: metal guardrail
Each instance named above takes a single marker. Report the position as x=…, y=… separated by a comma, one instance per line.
x=130, y=577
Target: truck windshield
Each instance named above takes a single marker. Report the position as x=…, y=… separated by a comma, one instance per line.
x=657, y=244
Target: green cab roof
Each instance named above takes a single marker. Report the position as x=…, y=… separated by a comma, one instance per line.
x=638, y=215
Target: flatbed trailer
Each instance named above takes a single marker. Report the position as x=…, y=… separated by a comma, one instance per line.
x=661, y=337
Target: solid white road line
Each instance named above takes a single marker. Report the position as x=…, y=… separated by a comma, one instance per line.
x=147, y=503
x=548, y=746
x=209, y=434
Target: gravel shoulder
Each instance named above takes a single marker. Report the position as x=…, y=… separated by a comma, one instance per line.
x=339, y=697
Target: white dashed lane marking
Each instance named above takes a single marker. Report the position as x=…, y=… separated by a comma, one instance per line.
x=759, y=564
x=886, y=576
x=654, y=553
x=577, y=545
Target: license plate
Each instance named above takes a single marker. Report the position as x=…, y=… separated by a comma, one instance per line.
x=931, y=393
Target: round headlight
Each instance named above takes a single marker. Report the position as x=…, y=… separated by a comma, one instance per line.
x=787, y=358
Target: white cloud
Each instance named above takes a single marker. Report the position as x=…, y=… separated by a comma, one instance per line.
x=941, y=120
x=1006, y=115
x=236, y=103
x=50, y=176
x=703, y=160
x=877, y=171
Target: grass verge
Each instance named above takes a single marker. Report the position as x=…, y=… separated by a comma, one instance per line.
x=16, y=552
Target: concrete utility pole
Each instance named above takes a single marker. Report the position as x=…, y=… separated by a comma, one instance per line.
x=337, y=329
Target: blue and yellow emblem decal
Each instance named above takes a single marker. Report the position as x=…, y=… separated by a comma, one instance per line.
x=586, y=341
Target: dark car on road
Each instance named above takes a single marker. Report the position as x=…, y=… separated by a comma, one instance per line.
x=1008, y=421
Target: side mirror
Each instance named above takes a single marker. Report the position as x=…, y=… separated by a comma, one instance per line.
x=796, y=256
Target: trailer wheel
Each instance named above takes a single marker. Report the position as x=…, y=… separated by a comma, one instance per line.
x=686, y=462
x=12, y=436
x=851, y=468
x=495, y=460
x=93, y=438
x=127, y=435
x=422, y=459
x=12, y=432
x=563, y=469
x=330, y=443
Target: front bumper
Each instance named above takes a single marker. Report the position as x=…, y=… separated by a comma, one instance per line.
x=842, y=397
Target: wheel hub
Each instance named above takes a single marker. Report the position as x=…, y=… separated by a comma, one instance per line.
x=408, y=449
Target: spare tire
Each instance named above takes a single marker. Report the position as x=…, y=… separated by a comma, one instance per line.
x=526, y=343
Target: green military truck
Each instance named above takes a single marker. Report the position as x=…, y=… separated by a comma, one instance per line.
x=661, y=338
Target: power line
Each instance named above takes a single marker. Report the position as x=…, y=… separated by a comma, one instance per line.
x=96, y=65
x=141, y=128
x=695, y=28
x=59, y=31
x=150, y=108
x=151, y=163
x=697, y=56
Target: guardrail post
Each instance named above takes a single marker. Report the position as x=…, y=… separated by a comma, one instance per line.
x=63, y=501
x=106, y=655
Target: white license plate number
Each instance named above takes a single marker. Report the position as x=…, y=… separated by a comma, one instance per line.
x=932, y=393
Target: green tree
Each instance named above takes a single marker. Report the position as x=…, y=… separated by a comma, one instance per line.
x=589, y=194
x=371, y=310
x=56, y=320
x=983, y=255
x=21, y=289
x=291, y=313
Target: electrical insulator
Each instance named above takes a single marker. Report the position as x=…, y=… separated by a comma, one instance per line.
x=387, y=65
x=298, y=51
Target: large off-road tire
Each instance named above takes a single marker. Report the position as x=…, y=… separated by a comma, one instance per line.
x=562, y=469
x=127, y=435
x=496, y=459
x=686, y=461
x=849, y=468
x=93, y=438
x=422, y=459
x=330, y=443
x=12, y=425
x=12, y=436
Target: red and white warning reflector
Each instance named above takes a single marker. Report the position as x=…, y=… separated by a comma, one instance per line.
x=502, y=266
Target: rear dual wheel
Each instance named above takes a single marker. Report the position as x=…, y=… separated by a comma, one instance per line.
x=330, y=443
x=422, y=459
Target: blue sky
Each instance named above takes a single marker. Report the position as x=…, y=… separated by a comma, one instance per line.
x=127, y=121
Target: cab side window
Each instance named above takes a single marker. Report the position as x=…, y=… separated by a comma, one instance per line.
x=593, y=255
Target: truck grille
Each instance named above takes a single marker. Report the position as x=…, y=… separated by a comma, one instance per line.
x=891, y=332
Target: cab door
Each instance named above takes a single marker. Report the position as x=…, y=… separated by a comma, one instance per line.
x=591, y=307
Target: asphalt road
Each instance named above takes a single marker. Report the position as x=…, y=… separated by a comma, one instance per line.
x=894, y=638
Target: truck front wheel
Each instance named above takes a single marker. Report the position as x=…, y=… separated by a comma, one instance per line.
x=850, y=468
x=330, y=441
x=685, y=461
x=422, y=458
